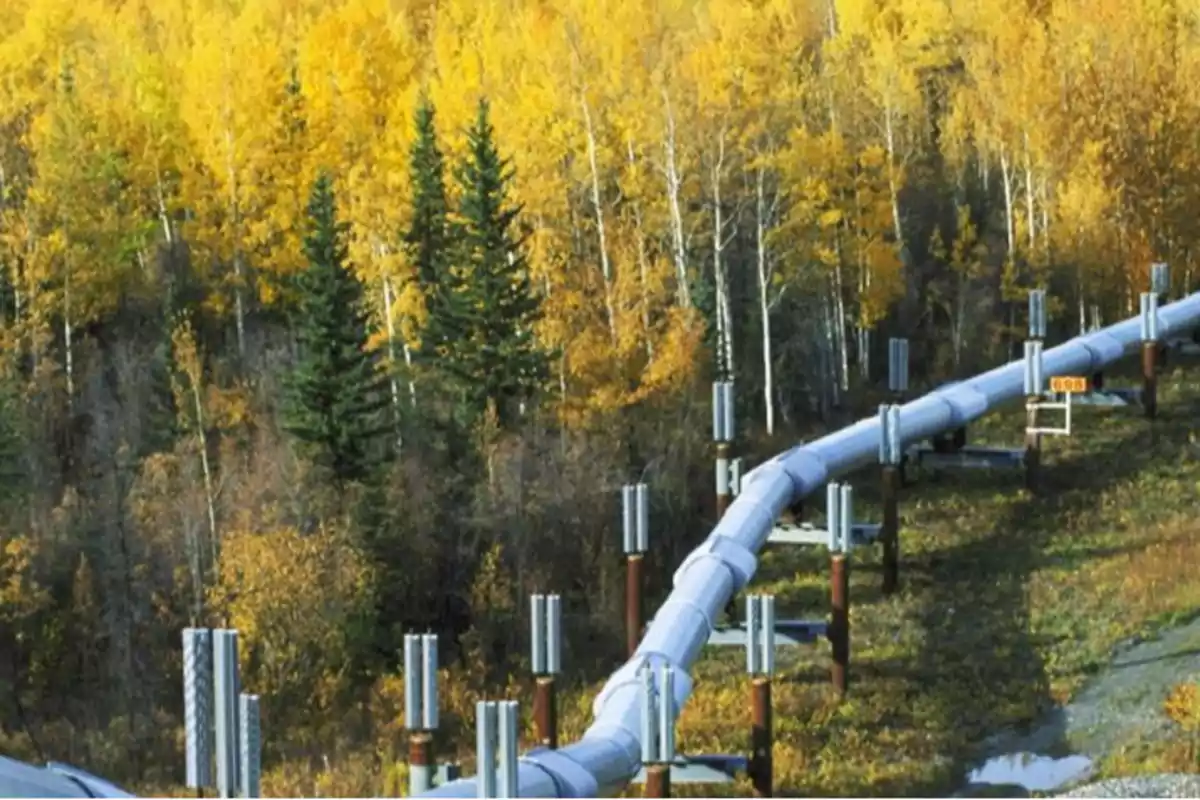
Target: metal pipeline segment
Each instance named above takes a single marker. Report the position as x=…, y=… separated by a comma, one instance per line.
x=607, y=757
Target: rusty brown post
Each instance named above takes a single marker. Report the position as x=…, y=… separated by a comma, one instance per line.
x=722, y=466
x=839, y=625
x=1033, y=446
x=658, y=780
x=1150, y=378
x=761, y=740
x=633, y=601
x=891, y=528
x=420, y=759
x=545, y=711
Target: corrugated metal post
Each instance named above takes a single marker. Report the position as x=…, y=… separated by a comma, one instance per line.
x=760, y=664
x=1160, y=281
x=508, y=747
x=1160, y=287
x=1149, y=303
x=1033, y=396
x=635, y=508
x=658, y=730
x=1094, y=325
x=898, y=382
x=225, y=702
x=840, y=513
x=546, y=611
x=198, y=707
x=250, y=746
x=420, y=708
x=890, y=454
x=486, y=723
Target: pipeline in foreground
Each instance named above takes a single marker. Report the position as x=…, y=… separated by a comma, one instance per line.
x=607, y=757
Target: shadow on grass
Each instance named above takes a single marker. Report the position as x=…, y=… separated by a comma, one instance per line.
x=982, y=670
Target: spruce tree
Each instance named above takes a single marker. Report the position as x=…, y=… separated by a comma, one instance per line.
x=426, y=238
x=427, y=242
x=495, y=356
x=336, y=393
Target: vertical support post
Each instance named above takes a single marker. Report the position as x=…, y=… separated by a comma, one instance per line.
x=1149, y=304
x=1033, y=395
x=1094, y=325
x=736, y=467
x=508, y=746
x=898, y=380
x=840, y=511
x=1033, y=391
x=658, y=730
x=898, y=368
x=198, y=706
x=420, y=708
x=635, y=505
x=1037, y=314
x=225, y=691
x=1160, y=281
x=723, y=438
x=760, y=663
x=485, y=747
x=547, y=659
x=890, y=456
x=250, y=746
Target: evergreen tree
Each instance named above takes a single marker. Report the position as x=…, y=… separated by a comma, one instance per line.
x=426, y=239
x=494, y=355
x=336, y=393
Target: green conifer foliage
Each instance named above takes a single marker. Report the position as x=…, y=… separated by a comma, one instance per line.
x=336, y=394
x=495, y=354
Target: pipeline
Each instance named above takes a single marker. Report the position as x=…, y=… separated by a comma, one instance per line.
x=607, y=757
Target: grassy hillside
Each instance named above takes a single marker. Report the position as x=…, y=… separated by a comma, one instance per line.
x=1008, y=604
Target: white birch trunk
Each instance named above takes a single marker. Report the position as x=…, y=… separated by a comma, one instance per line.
x=671, y=169
x=643, y=264
x=68, y=337
x=764, y=309
x=1029, y=205
x=725, y=365
x=1009, y=222
x=598, y=208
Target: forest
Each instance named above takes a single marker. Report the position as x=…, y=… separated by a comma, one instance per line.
x=331, y=320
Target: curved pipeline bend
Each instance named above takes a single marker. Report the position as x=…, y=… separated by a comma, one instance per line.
x=607, y=757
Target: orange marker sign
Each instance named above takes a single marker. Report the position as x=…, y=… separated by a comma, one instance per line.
x=1074, y=384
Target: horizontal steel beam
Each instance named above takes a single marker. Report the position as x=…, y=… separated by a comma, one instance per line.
x=861, y=533
x=969, y=457
x=702, y=769
x=788, y=633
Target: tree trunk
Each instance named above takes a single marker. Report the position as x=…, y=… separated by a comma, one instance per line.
x=598, y=208
x=725, y=367
x=390, y=327
x=1009, y=223
x=671, y=170
x=68, y=337
x=1029, y=206
x=839, y=328
x=235, y=215
x=764, y=309
x=643, y=265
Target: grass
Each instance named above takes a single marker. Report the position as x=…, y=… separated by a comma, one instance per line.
x=1008, y=603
